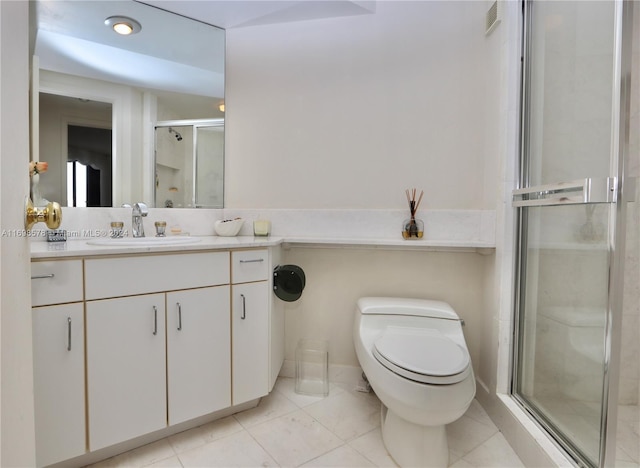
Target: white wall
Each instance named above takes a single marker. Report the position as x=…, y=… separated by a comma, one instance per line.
x=349, y=112
x=336, y=278
x=17, y=446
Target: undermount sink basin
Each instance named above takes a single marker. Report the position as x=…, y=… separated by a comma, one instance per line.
x=144, y=241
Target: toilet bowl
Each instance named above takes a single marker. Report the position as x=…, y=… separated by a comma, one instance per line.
x=415, y=357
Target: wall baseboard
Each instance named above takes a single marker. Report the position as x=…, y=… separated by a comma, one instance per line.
x=337, y=373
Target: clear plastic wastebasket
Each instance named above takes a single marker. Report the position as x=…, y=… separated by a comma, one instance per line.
x=312, y=367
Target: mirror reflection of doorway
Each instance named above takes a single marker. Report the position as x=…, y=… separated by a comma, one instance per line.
x=58, y=116
x=89, y=167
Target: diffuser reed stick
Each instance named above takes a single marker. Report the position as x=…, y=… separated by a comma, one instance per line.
x=413, y=227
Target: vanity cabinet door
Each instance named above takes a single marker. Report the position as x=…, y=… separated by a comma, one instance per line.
x=250, y=342
x=198, y=352
x=58, y=361
x=126, y=368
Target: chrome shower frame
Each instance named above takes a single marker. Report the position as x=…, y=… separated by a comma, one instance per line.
x=195, y=124
x=624, y=190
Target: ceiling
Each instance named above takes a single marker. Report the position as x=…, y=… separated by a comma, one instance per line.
x=241, y=13
x=167, y=54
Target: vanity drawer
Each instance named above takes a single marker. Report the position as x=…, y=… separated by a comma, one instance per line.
x=249, y=265
x=56, y=282
x=126, y=276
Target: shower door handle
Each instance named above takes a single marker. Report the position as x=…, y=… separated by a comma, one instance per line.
x=582, y=191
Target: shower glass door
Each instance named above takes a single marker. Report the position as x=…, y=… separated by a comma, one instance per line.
x=567, y=216
x=189, y=163
x=209, y=166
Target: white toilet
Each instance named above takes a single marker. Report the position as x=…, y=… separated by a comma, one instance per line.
x=415, y=357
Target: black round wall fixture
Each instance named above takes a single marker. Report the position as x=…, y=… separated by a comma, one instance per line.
x=288, y=282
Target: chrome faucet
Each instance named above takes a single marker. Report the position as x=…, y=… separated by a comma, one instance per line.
x=139, y=211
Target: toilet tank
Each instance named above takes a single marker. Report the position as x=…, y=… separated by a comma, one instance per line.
x=404, y=306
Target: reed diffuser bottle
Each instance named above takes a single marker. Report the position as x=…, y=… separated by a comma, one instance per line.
x=413, y=228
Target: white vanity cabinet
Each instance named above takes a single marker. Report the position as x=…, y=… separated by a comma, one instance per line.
x=126, y=346
x=126, y=372
x=198, y=360
x=250, y=324
x=126, y=276
x=129, y=352
x=58, y=356
x=58, y=360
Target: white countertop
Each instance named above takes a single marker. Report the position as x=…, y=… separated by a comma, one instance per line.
x=81, y=247
x=394, y=244
x=446, y=230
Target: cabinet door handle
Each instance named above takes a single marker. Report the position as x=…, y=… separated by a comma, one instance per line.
x=155, y=320
x=255, y=260
x=179, y=316
x=50, y=275
x=244, y=307
x=68, y=333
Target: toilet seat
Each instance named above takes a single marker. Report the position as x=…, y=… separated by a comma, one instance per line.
x=422, y=355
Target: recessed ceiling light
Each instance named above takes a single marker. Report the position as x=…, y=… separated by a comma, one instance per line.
x=123, y=25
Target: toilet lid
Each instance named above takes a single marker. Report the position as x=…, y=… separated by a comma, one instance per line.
x=423, y=355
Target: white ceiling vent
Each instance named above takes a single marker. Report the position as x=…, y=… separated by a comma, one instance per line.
x=494, y=16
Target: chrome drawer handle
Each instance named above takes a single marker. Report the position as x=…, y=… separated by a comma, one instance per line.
x=68, y=333
x=256, y=260
x=155, y=320
x=179, y=316
x=244, y=307
x=50, y=275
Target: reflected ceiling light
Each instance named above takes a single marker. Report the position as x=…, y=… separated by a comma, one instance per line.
x=123, y=25
x=221, y=106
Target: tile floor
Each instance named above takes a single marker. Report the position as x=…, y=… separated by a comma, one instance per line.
x=628, y=437
x=290, y=430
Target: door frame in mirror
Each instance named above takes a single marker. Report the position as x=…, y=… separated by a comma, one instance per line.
x=127, y=139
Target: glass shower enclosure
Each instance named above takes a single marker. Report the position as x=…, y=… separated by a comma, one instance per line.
x=189, y=163
x=572, y=221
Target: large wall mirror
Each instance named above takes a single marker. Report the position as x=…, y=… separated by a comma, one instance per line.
x=99, y=99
